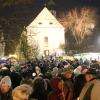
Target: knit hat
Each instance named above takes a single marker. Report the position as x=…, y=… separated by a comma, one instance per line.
x=54, y=73
x=4, y=68
x=68, y=68
x=78, y=70
x=91, y=71
x=6, y=80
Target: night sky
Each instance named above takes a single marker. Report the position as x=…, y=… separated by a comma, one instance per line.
x=72, y=3
x=38, y=5
x=67, y=4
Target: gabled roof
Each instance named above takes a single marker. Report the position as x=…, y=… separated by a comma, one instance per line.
x=45, y=19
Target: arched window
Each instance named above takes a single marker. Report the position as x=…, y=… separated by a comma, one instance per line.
x=46, y=40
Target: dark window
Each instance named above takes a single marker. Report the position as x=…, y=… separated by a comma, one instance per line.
x=40, y=23
x=46, y=40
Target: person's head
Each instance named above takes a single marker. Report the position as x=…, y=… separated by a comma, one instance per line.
x=54, y=73
x=22, y=92
x=27, y=81
x=90, y=74
x=68, y=71
x=37, y=70
x=39, y=84
x=57, y=84
x=5, y=84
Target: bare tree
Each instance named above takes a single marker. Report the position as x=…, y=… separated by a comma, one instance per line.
x=80, y=22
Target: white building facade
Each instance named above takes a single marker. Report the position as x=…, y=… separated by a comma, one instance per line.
x=46, y=32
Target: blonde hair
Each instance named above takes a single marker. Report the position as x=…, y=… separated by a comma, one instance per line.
x=22, y=92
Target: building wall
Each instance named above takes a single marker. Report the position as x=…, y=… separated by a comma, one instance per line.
x=55, y=37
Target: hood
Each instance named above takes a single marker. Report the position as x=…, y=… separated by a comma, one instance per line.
x=54, y=84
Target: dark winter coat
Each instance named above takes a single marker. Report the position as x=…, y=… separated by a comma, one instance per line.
x=56, y=95
x=79, y=83
x=39, y=89
x=68, y=89
x=15, y=79
x=6, y=96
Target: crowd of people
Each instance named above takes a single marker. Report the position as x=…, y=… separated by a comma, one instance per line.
x=50, y=80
